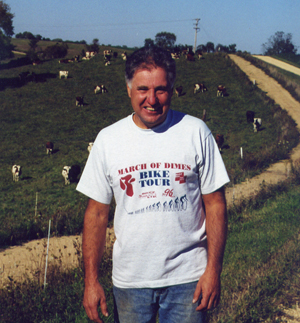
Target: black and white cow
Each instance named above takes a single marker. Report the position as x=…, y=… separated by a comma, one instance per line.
x=257, y=124
x=16, y=172
x=79, y=101
x=221, y=90
x=199, y=87
x=179, y=90
x=71, y=173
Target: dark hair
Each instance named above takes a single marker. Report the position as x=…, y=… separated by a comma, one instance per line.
x=147, y=56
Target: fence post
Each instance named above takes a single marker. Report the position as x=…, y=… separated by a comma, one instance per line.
x=45, y=278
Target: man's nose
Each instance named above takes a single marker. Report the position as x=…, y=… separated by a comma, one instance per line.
x=152, y=98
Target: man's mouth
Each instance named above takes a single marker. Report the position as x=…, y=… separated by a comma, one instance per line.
x=150, y=109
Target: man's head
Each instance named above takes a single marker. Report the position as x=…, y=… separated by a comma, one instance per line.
x=150, y=57
x=150, y=76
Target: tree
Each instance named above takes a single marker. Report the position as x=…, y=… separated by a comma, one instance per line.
x=6, y=19
x=56, y=51
x=210, y=47
x=94, y=47
x=6, y=31
x=165, y=39
x=280, y=43
x=201, y=48
x=149, y=42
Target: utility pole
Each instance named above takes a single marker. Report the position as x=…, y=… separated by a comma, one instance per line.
x=196, y=31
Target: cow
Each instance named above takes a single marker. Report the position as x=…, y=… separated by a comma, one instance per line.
x=175, y=55
x=63, y=61
x=16, y=172
x=71, y=173
x=37, y=62
x=107, y=63
x=250, y=116
x=124, y=56
x=199, y=87
x=79, y=101
x=200, y=55
x=190, y=57
x=219, y=141
x=65, y=174
x=179, y=90
x=90, y=146
x=221, y=90
x=49, y=148
x=64, y=74
x=256, y=124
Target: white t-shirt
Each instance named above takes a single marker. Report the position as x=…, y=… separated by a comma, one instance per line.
x=157, y=177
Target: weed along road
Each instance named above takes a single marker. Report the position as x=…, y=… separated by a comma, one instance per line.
x=28, y=260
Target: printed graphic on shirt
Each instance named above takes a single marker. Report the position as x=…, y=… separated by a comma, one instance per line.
x=153, y=177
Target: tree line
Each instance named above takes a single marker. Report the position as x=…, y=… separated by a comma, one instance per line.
x=280, y=43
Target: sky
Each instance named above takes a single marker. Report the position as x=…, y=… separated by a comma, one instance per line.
x=246, y=23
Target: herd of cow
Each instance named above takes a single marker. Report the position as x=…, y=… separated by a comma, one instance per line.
x=71, y=173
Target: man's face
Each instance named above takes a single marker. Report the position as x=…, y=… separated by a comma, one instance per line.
x=150, y=96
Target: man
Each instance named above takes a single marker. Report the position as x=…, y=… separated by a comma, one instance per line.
x=166, y=174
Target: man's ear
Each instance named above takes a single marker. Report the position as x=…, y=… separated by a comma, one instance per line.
x=128, y=90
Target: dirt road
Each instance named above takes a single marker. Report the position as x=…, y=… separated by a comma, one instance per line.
x=29, y=259
x=278, y=63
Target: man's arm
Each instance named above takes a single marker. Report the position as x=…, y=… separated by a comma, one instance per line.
x=93, y=243
x=209, y=286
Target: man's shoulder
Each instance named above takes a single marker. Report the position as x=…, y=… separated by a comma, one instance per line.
x=115, y=127
x=189, y=121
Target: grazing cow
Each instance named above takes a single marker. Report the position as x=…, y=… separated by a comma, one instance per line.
x=90, y=146
x=65, y=174
x=256, y=124
x=49, y=148
x=175, y=55
x=76, y=58
x=199, y=87
x=37, y=62
x=16, y=172
x=100, y=89
x=107, y=63
x=63, y=61
x=124, y=56
x=79, y=101
x=250, y=116
x=219, y=141
x=221, y=90
x=64, y=74
x=200, y=55
x=179, y=90
x=190, y=57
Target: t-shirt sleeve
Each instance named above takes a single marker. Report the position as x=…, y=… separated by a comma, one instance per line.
x=95, y=181
x=212, y=172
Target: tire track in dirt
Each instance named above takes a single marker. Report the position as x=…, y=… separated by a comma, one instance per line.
x=28, y=260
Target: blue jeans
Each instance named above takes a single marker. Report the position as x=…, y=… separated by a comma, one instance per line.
x=141, y=305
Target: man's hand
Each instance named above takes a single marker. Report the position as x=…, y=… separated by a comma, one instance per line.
x=93, y=297
x=209, y=289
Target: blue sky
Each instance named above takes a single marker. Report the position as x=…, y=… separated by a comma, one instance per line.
x=246, y=23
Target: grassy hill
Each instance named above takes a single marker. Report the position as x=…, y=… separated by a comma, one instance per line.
x=34, y=112
x=261, y=265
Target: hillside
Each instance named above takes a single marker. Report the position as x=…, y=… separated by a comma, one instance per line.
x=43, y=109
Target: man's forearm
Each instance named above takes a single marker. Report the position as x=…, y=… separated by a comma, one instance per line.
x=216, y=230
x=94, y=237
